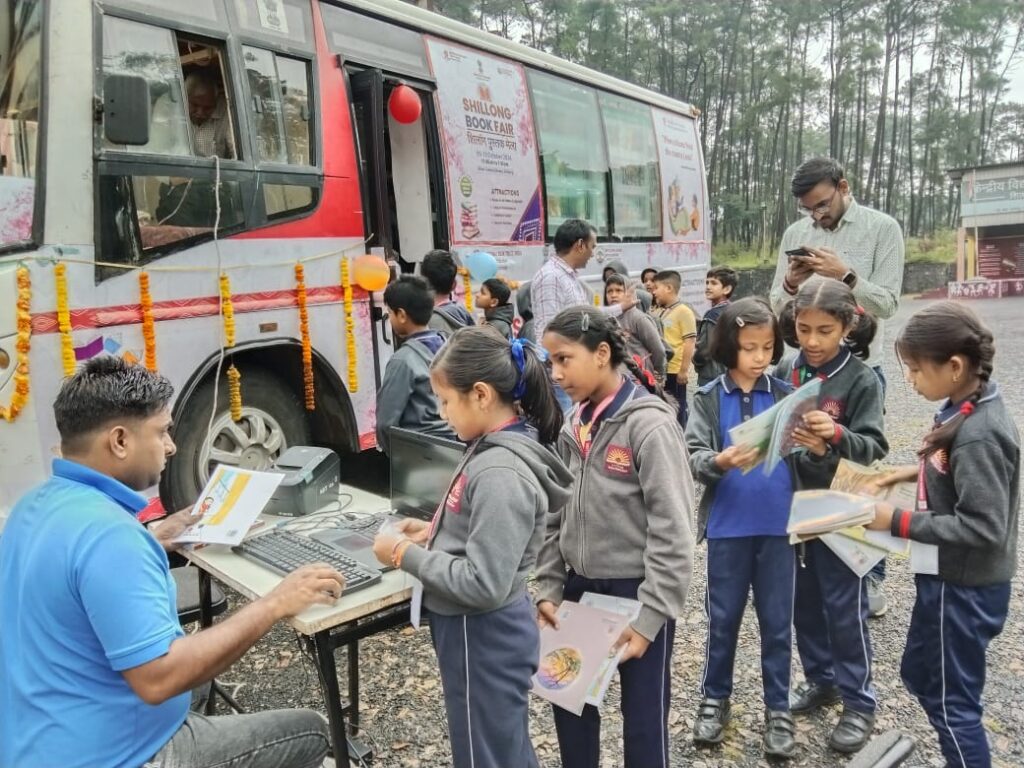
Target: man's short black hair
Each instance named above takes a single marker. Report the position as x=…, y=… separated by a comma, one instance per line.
x=571, y=231
x=411, y=293
x=814, y=171
x=498, y=290
x=105, y=390
x=669, y=278
x=439, y=270
x=752, y=310
x=727, y=276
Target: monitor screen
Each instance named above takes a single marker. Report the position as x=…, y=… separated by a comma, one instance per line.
x=422, y=467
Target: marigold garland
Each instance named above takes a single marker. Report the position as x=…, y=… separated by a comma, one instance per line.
x=67, y=345
x=22, y=345
x=148, y=326
x=307, y=350
x=350, y=328
x=235, y=393
x=467, y=286
x=227, y=310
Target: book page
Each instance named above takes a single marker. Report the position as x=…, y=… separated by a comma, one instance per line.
x=230, y=503
x=621, y=605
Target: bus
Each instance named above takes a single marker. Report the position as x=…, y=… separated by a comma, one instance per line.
x=164, y=168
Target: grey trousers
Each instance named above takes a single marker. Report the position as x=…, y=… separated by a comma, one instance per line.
x=281, y=738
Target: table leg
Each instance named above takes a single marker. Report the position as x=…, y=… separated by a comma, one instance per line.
x=332, y=696
x=205, y=600
x=353, y=682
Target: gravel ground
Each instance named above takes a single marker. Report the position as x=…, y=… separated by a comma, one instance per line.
x=403, y=712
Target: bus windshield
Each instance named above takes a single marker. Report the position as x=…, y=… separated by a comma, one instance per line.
x=21, y=24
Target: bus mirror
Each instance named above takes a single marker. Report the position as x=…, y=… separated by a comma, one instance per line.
x=126, y=109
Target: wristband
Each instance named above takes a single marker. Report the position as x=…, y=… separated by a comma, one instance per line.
x=836, y=436
x=395, y=547
x=396, y=559
x=788, y=287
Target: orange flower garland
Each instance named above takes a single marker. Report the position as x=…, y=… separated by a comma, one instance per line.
x=467, y=285
x=22, y=346
x=235, y=393
x=148, y=327
x=67, y=346
x=307, y=351
x=227, y=310
x=350, y=328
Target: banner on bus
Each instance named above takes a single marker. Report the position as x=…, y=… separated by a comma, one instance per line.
x=489, y=146
x=682, y=177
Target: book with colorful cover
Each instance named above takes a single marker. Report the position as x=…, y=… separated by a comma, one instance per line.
x=771, y=431
x=229, y=504
x=573, y=656
x=621, y=605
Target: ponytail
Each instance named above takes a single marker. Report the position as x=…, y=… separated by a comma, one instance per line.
x=479, y=353
x=834, y=298
x=936, y=334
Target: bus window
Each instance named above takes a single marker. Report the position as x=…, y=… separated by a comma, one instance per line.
x=572, y=149
x=19, y=117
x=191, y=112
x=287, y=199
x=633, y=156
x=279, y=106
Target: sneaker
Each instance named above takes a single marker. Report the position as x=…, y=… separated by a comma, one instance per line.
x=712, y=717
x=779, y=734
x=852, y=731
x=808, y=697
x=877, y=604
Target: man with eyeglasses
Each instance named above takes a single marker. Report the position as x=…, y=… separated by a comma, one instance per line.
x=850, y=242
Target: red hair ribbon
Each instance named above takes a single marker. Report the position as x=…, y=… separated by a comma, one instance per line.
x=967, y=408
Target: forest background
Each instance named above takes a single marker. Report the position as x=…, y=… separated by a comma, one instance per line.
x=899, y=91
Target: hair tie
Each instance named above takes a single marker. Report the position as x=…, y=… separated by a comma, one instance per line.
x=967, y=408
x=519, y=360
x=860, y=310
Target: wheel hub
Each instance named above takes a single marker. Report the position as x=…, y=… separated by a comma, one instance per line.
x=253, y=442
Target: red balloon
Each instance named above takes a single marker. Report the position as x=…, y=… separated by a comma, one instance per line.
x=404, y=104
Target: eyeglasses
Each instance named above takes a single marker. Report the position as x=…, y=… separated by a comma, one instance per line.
x=820, y=209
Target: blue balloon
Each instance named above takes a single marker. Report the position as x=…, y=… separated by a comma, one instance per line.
x=482, y=266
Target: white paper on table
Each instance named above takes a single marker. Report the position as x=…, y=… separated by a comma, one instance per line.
x=924, y=558
x=621, y=605
x=230, y=503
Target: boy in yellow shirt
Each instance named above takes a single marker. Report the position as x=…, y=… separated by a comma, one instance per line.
x=680, y=329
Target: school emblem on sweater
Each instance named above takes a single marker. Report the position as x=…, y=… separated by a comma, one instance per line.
x=834, y=408
x=618, y=459
x=940, y=461
x=454, y=501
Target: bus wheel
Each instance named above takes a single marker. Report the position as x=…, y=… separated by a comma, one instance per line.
x=273, y=419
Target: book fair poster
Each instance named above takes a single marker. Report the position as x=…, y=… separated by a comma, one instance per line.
x=489, y=146
x=682, y=177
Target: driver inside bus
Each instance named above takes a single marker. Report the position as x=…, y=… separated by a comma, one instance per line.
x=208, y=113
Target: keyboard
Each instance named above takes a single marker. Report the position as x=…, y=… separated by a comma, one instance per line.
x=284, y=551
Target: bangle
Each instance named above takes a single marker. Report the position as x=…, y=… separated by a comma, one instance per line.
x=394, y=549
x=399, y=552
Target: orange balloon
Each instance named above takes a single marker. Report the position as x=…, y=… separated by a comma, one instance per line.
x=371, y=272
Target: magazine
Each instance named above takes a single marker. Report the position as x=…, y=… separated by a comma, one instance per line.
x=626, y=607
x=772, y=431
x=814, y=513
x=230, y=503
x=572, y=657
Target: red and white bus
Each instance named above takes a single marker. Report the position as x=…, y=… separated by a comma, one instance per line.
x=202, y=138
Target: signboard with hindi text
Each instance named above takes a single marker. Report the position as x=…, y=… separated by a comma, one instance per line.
x=490, y=149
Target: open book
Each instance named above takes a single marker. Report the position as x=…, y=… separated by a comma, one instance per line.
x=572, y=657
x=772, y=431
x=815, y=513
x=230, y=503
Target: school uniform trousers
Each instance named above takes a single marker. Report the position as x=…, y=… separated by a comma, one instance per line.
x=646, y=690
x=944, y=662
x=830, y=619
x=487, y=661
x=735, y=566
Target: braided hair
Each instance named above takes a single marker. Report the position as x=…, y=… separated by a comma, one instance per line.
x=938, y=333
x=834, y=298
x=589, y=326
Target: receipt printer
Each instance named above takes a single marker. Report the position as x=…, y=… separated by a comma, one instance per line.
x=311, y=479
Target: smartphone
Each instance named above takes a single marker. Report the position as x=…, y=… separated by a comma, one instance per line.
x=793, y=253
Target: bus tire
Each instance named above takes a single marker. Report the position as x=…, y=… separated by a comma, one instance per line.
x=273, y=419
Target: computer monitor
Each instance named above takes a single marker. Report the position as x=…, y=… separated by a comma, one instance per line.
x=422, y=467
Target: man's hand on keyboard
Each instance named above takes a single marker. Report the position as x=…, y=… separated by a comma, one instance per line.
x=306, y=586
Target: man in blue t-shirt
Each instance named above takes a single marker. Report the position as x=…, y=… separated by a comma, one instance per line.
x=94, y=667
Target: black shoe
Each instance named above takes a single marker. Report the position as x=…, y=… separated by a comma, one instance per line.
x=808, y=697
x=712, y=717
x=779, y=734
x=852, y=731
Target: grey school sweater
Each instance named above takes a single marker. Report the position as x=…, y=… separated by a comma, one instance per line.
x=973, y=497
x=852, y=395
x=629, y=513
x=491, y=525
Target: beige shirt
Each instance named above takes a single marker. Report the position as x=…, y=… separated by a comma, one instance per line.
x=871, y=244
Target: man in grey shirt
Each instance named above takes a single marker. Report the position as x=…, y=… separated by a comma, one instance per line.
x=850, y=242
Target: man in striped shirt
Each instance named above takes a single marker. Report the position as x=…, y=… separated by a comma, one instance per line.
x=853, y=243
